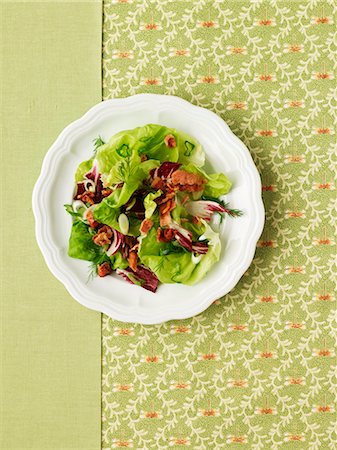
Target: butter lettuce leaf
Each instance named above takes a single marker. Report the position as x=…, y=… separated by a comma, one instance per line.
x=217, y=183
x=81, y=245
x=177, y=266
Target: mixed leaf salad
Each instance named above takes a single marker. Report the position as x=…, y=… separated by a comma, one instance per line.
x=143, y=207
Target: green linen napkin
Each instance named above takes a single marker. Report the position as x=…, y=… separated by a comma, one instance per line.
x=256, y=370
x=50, y=381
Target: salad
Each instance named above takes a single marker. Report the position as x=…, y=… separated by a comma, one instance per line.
x=144, y=208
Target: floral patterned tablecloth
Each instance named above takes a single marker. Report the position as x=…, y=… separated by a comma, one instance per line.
x=256, y=370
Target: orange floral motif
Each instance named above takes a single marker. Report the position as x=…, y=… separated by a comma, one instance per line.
x=210, y=412
x=322, y=76
x=123, y=332
x=293, y=437
x=237, y=327
x=323, y=409
x=294, y=48
x=269, y=188
x=295, y=214
x=208, y=24
x=151, y=81
x=179, y=441
x=208, y=79
x=265, y=77
x=150, y=26
x=208, y=357
x=180, y=329
x=323, y=130
x=266, y=355
x=323, y=186
x=324, y=241
x=180, y=385
x=265, y=22
x=295, y=269
x=122, y=443
x=266, y=299
x=119, y=54
x=122, y=387
x=237, y=105
x=294, y=326
x=237, y=383
x=324, y=297
x=294, y=159
x=266, y=410
x=179, y=52
x=268, y=243
x=265, y=133
x=234, y=439
x=294, y=104
x=321, y=20
x=231, y=50
x=295, y=381
x=150, y=414
x=323, y=352
x=217, y=302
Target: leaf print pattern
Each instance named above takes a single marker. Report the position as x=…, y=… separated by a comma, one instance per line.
x=257, y=369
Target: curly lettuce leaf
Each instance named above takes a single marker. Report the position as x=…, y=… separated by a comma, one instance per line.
x=118, y=262
x=122, y=154
x=82, y=169
x=177, y=266
x=81, y=245
x=217, y=183
x=150, y=204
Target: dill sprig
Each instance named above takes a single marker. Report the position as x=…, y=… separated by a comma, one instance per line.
x=98, y=142
x=231, y=212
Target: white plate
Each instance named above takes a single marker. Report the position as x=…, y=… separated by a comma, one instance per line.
x=112, y=295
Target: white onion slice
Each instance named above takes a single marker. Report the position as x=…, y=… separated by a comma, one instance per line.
x=77, y=205
x=196, y=259
x=89, y=185
x=123, y=223
x=115, y=243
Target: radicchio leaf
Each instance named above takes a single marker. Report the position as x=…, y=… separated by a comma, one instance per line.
x=203, y=208
x=142, y=276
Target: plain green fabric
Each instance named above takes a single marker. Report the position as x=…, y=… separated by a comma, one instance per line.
x=51, y=348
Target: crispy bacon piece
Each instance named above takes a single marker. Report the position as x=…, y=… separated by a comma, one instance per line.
x=165, y=235
x=90, y=218
x=186, y=181
x=132, y=259
x=164, y=212
x=103, y=237
x=129, y=244
x=158, y=183
x=87, y=197
x=170, y=141
x=104, y=269
x=146, y=226
x=106, y=192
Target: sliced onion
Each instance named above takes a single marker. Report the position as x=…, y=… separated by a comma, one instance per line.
x=89, y=185
x=116, y=242
x=123, y=223
x=196, y=259
x=77, y=205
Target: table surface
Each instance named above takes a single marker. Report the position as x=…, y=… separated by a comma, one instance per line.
x=256, y=368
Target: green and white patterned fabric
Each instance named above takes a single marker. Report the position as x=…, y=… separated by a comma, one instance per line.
x=257, y=369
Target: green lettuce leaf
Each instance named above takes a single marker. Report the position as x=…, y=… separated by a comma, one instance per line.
x=177, y=266
x=82, y=169
x=81, y=245
x=118, y=262
x=118, y=158
x=149, y=203
x=217, y=183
